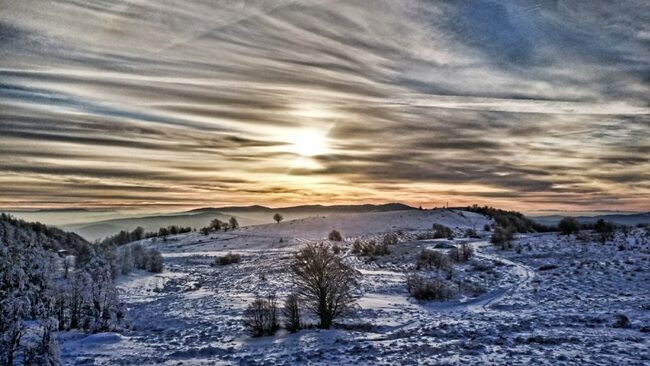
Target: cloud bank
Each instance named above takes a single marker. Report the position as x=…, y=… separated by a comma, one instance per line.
x=146, y=104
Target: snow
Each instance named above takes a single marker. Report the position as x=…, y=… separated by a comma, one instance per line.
x=516, y=313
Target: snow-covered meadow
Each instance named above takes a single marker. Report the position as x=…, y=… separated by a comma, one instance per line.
x=550, y=300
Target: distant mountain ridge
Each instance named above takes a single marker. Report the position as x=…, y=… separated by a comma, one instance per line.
x=311, y=208
x=620, y=219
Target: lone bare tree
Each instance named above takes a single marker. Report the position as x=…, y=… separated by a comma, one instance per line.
x=324, y=282
x=277, y=217
x=234, y=224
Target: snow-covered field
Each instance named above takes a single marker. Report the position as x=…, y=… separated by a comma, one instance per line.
x=550, y=300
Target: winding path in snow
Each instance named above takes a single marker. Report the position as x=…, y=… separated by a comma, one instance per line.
x=524, y=275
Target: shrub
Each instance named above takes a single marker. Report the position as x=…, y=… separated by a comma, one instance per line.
x=621, y=321
x=432, y=259
x=390, y=239
x=502, y=238
x=461, y=253
x=425, y=289
x=604, y=229
x=442, y=231
x=292, y=313
x=357, y=247
x=568, y=226
x=227, y=259
x=336, y=249
x=260, y=317
x=324, y=282
x=370, y=249
x=334, y=236
x=547, y=267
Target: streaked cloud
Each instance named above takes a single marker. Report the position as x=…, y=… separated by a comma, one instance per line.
x=152, y=104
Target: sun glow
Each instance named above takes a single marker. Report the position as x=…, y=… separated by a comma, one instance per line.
x=308, y=142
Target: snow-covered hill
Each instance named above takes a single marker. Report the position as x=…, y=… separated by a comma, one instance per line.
x=549, y=300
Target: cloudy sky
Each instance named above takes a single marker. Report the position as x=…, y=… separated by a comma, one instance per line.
x=167, y=104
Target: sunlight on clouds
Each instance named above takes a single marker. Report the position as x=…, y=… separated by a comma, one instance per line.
x=308, y=142
x=207, y=102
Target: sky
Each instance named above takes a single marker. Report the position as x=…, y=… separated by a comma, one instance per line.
x=166, y=104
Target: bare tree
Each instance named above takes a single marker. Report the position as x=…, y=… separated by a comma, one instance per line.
x=291, y=312
x=216, y=224
x=260, y=318
x=277, y=217
x=324, y=282
x=234, y=224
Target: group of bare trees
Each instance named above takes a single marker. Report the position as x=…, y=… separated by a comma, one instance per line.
x=218, y=225
x=323, y=284
x=135, y=256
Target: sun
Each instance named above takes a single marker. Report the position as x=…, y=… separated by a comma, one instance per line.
x=308, y=142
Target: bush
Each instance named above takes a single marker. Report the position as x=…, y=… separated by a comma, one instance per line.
x=425, y=289
x=547, y=267
x=604, y=229
x=502, y=238
x=442, y=231
x=336, y=249
x=260, y=317
x=568, y=226
x=622, y=321
x=357, y=247
x=324, y=282
x=461, y=253
x=292, y=313
x=370, y=249
x=432, y=259
x=334, y=236
x=390, y=239
x=227, y=259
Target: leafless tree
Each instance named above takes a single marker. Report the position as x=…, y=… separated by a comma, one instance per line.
x=324, y=282
x=292, y=312
x=260, y=318
x=234, y=224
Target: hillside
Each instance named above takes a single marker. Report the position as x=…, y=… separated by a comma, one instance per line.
x=560, y=297
x=246, y=215
x=50, y=238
